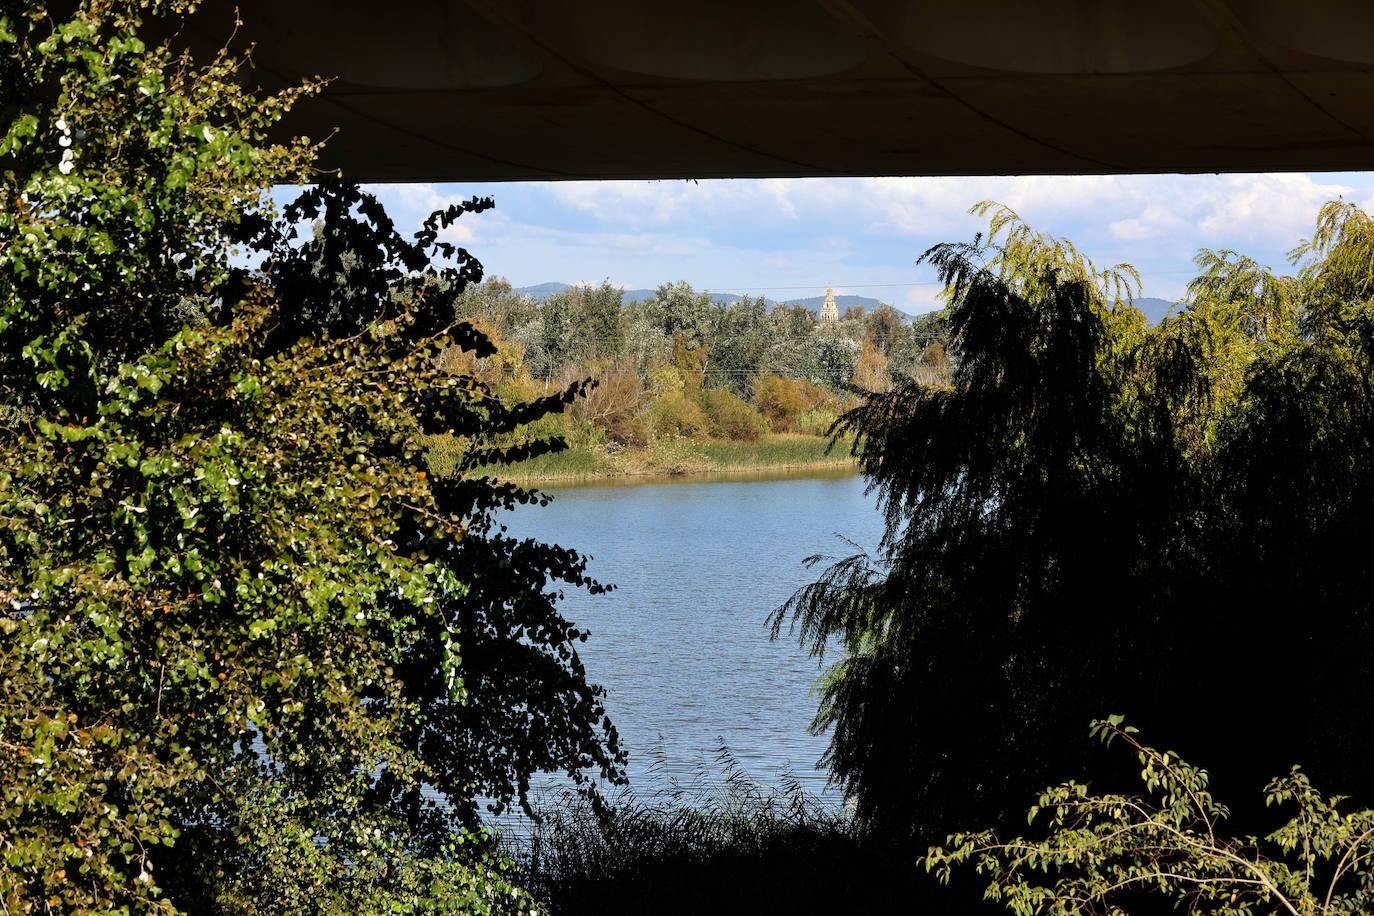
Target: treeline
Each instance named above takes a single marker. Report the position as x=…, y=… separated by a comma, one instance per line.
x=684, y=365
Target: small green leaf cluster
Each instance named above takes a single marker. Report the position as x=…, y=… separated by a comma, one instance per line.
x=1098, y=853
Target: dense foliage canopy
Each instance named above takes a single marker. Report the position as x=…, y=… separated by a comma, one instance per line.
x=1100, y=516
x=245, y=624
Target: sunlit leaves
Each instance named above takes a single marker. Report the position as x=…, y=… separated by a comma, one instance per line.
x=208, y=529
x=1101, y=853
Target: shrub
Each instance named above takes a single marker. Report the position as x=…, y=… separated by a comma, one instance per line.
x=815, y=422
x=775, y=397
x=676, y=414
x=871, y=370
x=613, y=403
x=784, y=400
x=731, y=417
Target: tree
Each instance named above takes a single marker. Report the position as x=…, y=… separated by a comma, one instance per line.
x=602, y=332
x=741, y=342
x=528, y=707
x=1104, y=851
x=682, y=313
x=883, y=326
x=831, y=359
x=1097, y=514
x=928, y=331
x=222, y=545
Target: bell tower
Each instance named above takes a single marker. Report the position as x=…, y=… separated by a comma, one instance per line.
x=828, y=310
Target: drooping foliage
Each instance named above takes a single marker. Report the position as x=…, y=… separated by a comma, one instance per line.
x=1099, y=515
x=245, y=624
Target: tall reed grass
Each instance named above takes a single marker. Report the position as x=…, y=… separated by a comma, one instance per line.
x=720, y=846
x=574, y=462
x=676, y=457
x=785, y=450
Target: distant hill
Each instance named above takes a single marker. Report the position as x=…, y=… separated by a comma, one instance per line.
x=843, y=302
x=1154, y=309
x=542, y=291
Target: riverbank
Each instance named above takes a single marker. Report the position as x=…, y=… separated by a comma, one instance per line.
x=683, y=457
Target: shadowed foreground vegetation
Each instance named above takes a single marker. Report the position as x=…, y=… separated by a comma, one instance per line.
x=720, y=845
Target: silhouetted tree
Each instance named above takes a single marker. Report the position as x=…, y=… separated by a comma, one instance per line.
x=1098, y=516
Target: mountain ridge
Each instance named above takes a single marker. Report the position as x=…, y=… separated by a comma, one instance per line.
x=543, y=291
x=1153, y=307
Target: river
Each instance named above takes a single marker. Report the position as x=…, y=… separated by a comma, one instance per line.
x=681, y=645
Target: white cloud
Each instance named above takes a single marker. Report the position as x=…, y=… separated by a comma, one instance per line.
x=864, y=232
x=921, y=299
x=409, y=204
x=633, y=203
x=1277, y=209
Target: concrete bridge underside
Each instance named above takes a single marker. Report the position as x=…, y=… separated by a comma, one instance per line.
x=551, y=89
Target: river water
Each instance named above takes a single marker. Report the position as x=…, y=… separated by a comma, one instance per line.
x=682, y=645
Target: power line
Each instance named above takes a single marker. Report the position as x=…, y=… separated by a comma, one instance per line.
x=730, y=289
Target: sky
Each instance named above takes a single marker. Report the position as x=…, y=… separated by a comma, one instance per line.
x=791, y=238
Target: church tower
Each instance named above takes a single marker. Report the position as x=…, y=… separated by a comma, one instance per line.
x=828, y=310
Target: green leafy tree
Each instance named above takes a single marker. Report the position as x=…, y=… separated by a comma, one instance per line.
x=234, y=593
x=683, y=314
x=600, y=320
x=924, y=335
x=1022, y=501
x=741, y=343
x=883, y=326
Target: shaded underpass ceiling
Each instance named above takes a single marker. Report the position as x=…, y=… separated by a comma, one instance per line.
x=549, y=89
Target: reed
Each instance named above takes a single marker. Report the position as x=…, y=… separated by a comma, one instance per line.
x=783, y=450
x=730, y=845
x=680, y=457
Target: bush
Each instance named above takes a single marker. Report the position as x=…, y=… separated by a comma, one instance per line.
x=731, y=417
x=613, y=403
x=784, y=400
x=815, y=422
x=676, y=414
x=1103, y=852
x=775, y=398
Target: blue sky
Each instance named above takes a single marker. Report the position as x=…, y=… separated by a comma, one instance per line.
x=790, y=238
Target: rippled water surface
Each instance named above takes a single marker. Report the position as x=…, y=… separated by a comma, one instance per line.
x=681, y=645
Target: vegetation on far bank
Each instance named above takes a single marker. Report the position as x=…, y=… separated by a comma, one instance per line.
x=681, y=458
x=684, y=384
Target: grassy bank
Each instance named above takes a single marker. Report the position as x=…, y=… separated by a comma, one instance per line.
x=678, y=457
